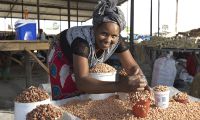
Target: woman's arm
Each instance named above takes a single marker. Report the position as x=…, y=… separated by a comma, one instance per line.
x=135, y=74
x=88, y=84
x=129, y=64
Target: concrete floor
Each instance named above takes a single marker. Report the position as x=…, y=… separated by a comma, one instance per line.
x=9, y=89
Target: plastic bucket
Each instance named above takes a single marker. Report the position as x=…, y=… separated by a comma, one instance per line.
x=21, y=109
x=162, y=99
x=103, y=77
x=141, y=108
x=25, y=30
x=100, y=96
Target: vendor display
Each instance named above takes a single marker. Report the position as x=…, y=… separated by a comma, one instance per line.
x=163, y=42
x=32, y=94
x=27, y=100
x=139, y=105
x=45, y=112
x=116, y=109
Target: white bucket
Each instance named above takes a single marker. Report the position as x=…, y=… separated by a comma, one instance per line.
x=162, y=99
x=103, y=77
x=100, y=96
x=21, y=109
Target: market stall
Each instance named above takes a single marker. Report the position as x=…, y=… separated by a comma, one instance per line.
x=166, y=56
x=117, y=109
x=158, y=46
x=112, y=108
x=151, y=103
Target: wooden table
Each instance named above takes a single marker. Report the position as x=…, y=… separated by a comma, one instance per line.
x=27, y=46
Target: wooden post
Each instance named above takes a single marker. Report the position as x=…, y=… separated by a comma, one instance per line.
x=37, y=60
x=28, y=70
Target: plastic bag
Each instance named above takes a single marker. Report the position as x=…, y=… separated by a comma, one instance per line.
x=164, y=72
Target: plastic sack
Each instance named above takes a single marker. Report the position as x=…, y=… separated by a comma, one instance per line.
x=164, y=72
x=21, y=109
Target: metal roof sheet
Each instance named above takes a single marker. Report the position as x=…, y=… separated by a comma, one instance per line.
x=50, y=9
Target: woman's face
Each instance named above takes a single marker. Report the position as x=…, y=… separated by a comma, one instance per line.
x=106, y=35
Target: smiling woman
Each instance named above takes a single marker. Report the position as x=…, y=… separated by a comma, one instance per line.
x=78, y=49
x=107, y=35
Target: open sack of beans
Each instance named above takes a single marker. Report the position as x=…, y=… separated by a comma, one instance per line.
x=103, y=72
x=46, y=112
x=27, y=100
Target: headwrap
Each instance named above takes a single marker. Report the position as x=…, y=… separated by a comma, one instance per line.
x=107, y=11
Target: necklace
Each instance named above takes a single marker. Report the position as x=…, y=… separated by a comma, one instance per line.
x=99, y=59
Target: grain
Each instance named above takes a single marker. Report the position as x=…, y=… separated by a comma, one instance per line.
x=102, y=68
x=181, y=96
x=32, y=94
x=45, y=112
x=115, y=109
x=139, y=95
x=160, y=88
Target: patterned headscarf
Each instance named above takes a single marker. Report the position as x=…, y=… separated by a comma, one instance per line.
x=107, y=11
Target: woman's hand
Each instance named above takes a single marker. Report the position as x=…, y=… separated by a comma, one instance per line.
x=138, y=81
x=138, y=74
x=132, y=83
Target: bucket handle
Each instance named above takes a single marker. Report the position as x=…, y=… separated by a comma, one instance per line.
x=21, y=25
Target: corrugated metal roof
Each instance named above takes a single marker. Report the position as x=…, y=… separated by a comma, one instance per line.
x=49, y=9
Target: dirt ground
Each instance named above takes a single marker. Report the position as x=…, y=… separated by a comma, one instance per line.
x=10, y=88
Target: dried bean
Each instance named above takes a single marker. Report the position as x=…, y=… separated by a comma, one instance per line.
x=102, y=68
x=32, y=94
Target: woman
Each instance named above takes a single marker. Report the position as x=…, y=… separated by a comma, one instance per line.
x=80, y=48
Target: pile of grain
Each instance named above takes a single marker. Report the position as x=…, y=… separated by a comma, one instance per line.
x=160, y=88
x=32, y=94
x=108, y=109
x=45, y=112
x=139, y=95
x=123, y=73
x=102, y=68
x=181, y=96
x=115, y=109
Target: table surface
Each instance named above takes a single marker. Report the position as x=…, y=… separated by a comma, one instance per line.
x=27, y=46
x=20, y=45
